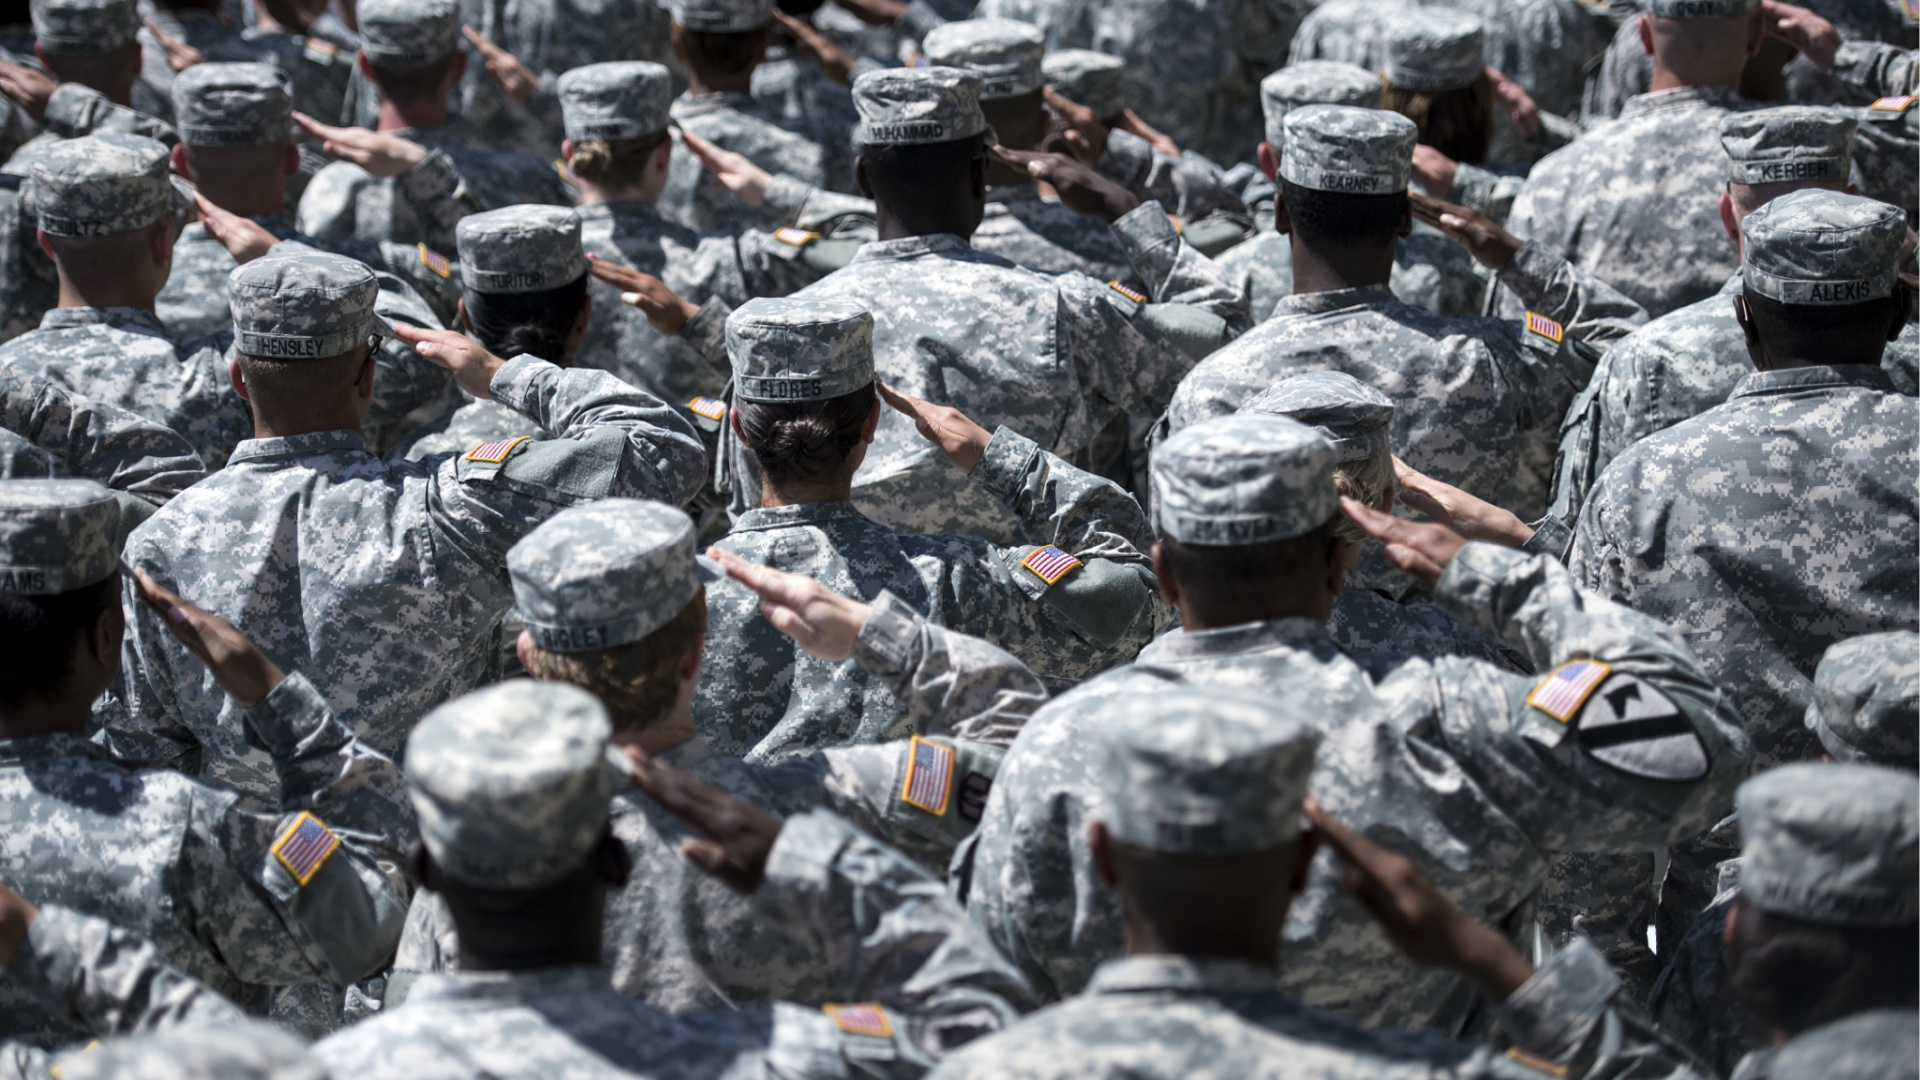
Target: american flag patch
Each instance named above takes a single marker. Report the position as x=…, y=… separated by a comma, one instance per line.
x=1912, y=8
x=1545, y=327
x=435, y=261
x=496, y=451
x=929, y=776
x=303, y=848
x=1136, y=297
x=796, y=237
x=1534, y=1061
x=1049, y=563
x=708, y=407
x=1561, y=694
x=1893, y=104
x=864, y=1018
x=1178, y=225
x=320, y=49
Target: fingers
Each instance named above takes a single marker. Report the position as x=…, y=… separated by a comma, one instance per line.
x=1073, y=111
x=903, y=403
x=488, y=49
x=614, y=274
x=315, y=128
x=1380, y=526
x=709, y=154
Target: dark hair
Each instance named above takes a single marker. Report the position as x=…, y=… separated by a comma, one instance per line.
x=526, y=324
x=1815, y=329
x=799, y=8
x=905, y=176
x=406, y=85
x=1796, y=975
x=1210, y=572
x=721, y=53
x=638, y=681
x=805, y=440
x=38, y=635
x=1332, y=218
x=1458, y=123
x=16, y=13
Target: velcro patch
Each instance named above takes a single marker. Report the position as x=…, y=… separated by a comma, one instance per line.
x=320, y=49
x=497, y=451
x=929, y=776
x=1894, y=104
x=1178, y=225
x=1545, y=327
x=974, y=790
x=1136, y=297
x=1633, y=727
x=796, y=237
x=303, y=848
x=1565, y=689
x=1911, y=7
x=711, y=408
x=1049, y=563
x=435, y=261
x=863, y=1018
x=1535, y=1061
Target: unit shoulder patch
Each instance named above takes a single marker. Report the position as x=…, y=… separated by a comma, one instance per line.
x=974, y=789
x=861, y=1018
x=1545, y=327
x=1632, y=726
x=435, y=261
x=1049, y=564
x=711, y=408
x=1536, y=1062
x=1131, y=294
x=1567, y=687
x=497, y=451
x=795, y=237
x=305, y=847
x=929, y=780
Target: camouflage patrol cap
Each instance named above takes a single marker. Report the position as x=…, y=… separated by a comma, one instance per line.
x=1248, y=478
x=103, y=185
x=1434, y=49
x=1790, y=143
x=1005, y=53
x=512, y=782
x=1089, y=78
x=303, y=305
x=786, y=350
x=520, y=249
x=1702, y=9
x=85, y=27
x=722, y=16
x=1820, y=247
x=1866, y=700
x=1348, y=150
x=1204, y=773
x=1315, y=82
x=409, y=33
x=1832, y=844
x=623, y=99
x=56, y=535
x=917, y=106
x=232, y=105
x=1352, y=416
x=606, y=574
x=254, y=1050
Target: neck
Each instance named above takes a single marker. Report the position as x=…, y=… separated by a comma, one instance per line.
x=840, y=490
x=1317, y=271
x=594, y=195
x=1256, y=945
x=892, y=227
x=268, y=426
x=660, y=737
x=1666, y=78
x=1252, y=609
x=428, y=112
x=714, y=83
x=45, y=716
x=248, y=202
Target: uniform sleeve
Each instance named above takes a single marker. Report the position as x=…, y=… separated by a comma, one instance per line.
x=110, y=981
x=1172, y=270
x=1573, y=1019
x=75, y=110
x=405, y=380
x=1586, y=308
x=805, y=206
x=947, y=683
x=98, y=441
x=1193, y=191
x=312, y=891
x=439, y=197
x=1876, y=69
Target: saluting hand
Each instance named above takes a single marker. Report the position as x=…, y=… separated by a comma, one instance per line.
x=240, y=668
x=29, y=87
x=243, y=237
x=472, y=365
x=958, y=437
x=180, y=55
x=514, y=78
x=739, y=835
x=378, y=152
x=822, y=622
x=664, y=309
x=1085, y=136
x=1489, y=244
x=1423, y=550
x=1469, y=515
x=741, y=177
x=1082, y=190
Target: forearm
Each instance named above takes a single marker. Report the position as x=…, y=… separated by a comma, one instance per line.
x=661, y=456
x=1587, y=308
x=98, y=441
x=1173, y=271
x=1572, y=1018
x=1876, y=69
x=1085, y=515
x=1478, y=189
x=108, y=980
x=439, y=197
x=805, y=206
x=75, y=110
x=325, y=770
x=948, y=683
x=1192, y=191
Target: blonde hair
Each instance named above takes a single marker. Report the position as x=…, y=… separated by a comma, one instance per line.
x=638, y=681
x=614, y=163
x=1458, y=123
x=1367, y=482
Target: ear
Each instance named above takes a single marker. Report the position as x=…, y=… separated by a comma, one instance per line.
x=180, y=166
x=1268, y=165
x=104, y=640
x=460, y=308
x=663, y=154
x=239, y=381
x=1730, y=932
x=1304, y=851
x=566, y=150
x=1744, y=317
x=873, y=420
x=860, y=177
x=40, y=237
x=369, y=371
x=1163, y=573
x=1100, y=849
x=160, y=243
x=520, y=646
x=1729, y=220
x=360, y=61
x=733, y=421
x=1282, y=221
x=41, y=54
x=457, y=70
x=1646, y=35
x=289, y=162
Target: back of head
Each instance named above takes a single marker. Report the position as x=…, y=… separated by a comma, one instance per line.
x=1821, y=275
x=524, y=277
x=1314, y=82
x=1094, y=79
x=256, y=1051
x=91, y=42
x=1866, y=700
x=1344, y=173
x=235, y=121
x=1436, y=77
x=99, y=199
x=803, y=384
x=920, y=132
x=1702, y=42
x=1355, y=419
x=301, y=325
x=409, y=44
x=615, y=116
x=1007, y=55
x=721, y=37
x=1771, y=152
x=58, y=550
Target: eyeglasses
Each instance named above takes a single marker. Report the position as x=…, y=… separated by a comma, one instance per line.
x=374, y=341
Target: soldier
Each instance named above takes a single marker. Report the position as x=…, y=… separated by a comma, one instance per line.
x=380, y=579
x=96, y=43
x=1633, y=202
x=255, y=1051
x=411, y=51
x=615, y=603
x=46, y=431
x=1479, y=775
x=317, y=71
x=1198, y=828
x=513, y=786
x=238, y=894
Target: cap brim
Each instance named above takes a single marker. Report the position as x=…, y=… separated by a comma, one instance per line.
x=377, y=324
x=710, y=571
x=183, y=192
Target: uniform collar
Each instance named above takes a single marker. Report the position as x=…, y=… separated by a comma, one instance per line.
x=1681, y=97
x=701, y=104
x=1181, y=974
x=311, y=444
x=1321, y=302
x=1293, y=631
x=912, y=247
x=1792, y=380
x=32, y=748
x=509, y=986
x=780, y=517
x=627, y=208
x=121, y=318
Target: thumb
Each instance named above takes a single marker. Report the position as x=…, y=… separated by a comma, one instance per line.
x=708, y=856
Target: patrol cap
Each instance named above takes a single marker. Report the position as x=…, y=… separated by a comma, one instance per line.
x=1434, y=49
x=917, y=106
x=103, y=185
x=606, y=574
x=1348, y=150
x=1702, y=9
x=1089, y=78
x=1249, y=478
x=1866, y=700
x=303, y=305
x=1005, y=53
x=623, y=99
x=786, y=350
x=1191, y=772
x=722, y=16
x=1793, y=142
x=232, y=105
x=85, y=27
x=409, y=33
x=1832, y=844
x=512, y=782
x=56, y=535
x=1821, y=247
x=253, y=1050
x=1315, y=82
x=520, y=249
x=1352, y=416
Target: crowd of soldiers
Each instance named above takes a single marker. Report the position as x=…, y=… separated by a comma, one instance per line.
x=1132, y=538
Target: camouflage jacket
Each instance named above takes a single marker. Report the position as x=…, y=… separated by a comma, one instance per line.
x=924, y=978
x=1191, y=189
x=1026, y=230
x=1878, y=1043
x=814, y=152
x=791, y=86
x=380, y=579
x=1367, y=620
x=317, y=70
x=1443, y=760
x=237, y=894
x=52, y=432
x=1429, y=271
x=1762, y=557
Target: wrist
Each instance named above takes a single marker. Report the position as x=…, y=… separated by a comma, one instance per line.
x=1489, y=960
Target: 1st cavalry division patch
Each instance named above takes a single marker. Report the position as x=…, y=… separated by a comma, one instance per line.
x=929, y=776
x=495, y=452
x=303, y=848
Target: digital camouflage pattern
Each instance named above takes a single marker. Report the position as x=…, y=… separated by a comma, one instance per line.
x=1822, y=249
x=619, y=100
x=409, y=33
x=1833, y=844
x=520, y=249
x=721, y=16
x=254, y=1051
x=917, y=106
x=605, y=574
x=1039, y=234
x=232, y=104
x=1005, y=53
x=1246, y=478
x=1084, y=77
x=1346, y=149
x=1434, y=49
x=52, y=432
x=792, y=351
x=102, y=185
x=317, y=72
x=1866, y=700
x=1191, y=188
x=56, y=536
x=1877, y=1043
x=1693, y=1002
x=812, y=151
x=84, y=27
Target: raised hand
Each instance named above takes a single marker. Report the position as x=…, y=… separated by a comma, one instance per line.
x=180, y=55
x=831, y=59
x=240, y=668
x=379, y=153
x=472, y=365
x=1434, y=170
x=243, y=238
x=1086, y=135
x=1130, y=122
x=822, y=622
x=1423, y=550
x=664, y=309
x=739, y=835
x=1814, y=36
x=29, y=87
x=16, y=917
x=1489, y=244
x=1514, y=100
x=962, y=440
x=514, y=78
x=742, y=178
x=1468, y=515
x=875, y=12
x=1084, y=191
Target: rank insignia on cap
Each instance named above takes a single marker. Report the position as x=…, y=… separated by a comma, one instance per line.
x=495, y=452
x=1136, y=297
x=1545, y=327
x=1894, y=104
x=435, y=261
x=321, y=49
x=1536, y=1062
x=796, y=237
x=864, y=1018
x=929, y=776
x=1049, y=563
x=304, y=847
x=1561, y=693
x=711, y=408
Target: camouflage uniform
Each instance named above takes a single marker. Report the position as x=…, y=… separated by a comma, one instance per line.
x=887, y=931
x=234, y=893
x=1442, y=760
x=389, y=635
x=84, y=28
x=317, y=71
x=252, y=1051
x=50, y=432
